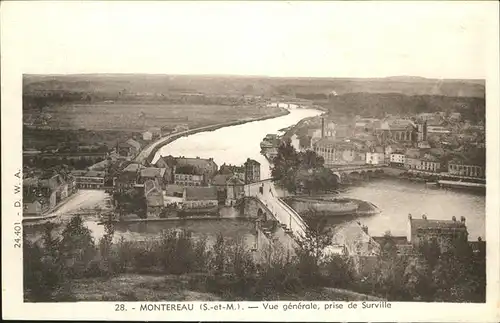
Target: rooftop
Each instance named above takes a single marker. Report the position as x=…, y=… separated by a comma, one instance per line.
x=252, y=161
x=152, y=172
x=200, y=193
x=94, y=173
x=169, y=160
x=436, y=224
x=170, y=189
x=133, y=168
x=197, y=162
x=134, y=144
x=334, y=143
x=220, y=179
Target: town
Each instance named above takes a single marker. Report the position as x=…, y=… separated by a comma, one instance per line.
x=328, y=153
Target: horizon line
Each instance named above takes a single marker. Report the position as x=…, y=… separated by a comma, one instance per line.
x=256, y=76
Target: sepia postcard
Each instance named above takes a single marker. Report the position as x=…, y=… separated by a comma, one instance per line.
x=250, y=161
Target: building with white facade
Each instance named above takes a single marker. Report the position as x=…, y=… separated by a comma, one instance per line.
x=397, y=158
x=375, y=157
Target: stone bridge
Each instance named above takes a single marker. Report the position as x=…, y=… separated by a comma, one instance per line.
x=265, y=192
x=270, y=204
x=341, y=172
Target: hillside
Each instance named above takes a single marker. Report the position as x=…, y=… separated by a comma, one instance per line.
x=315, y=88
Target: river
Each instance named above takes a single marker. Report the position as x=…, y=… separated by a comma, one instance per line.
x=234, y=144
x=398, y=198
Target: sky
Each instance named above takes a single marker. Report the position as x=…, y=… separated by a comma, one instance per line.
x=308, y=39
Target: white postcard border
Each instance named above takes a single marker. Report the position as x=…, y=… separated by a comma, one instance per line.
x=12, y=60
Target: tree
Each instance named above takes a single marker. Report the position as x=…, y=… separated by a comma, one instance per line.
x=285, y=166
x=388, y=246
x=77, y=247
x=309, y=160
x=43, y=272
x=131, y=201
x=295, y=171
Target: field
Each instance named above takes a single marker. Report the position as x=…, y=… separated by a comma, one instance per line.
x=140, y=116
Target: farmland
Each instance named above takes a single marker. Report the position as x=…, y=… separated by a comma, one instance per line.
x=139, y=116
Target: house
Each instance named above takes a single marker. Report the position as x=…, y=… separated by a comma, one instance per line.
x=375, y=156
x=422, y=131
x=456, y=168
x=413, y=159
x=235, y=189
x=437, y=130
x=252, y=171
x=152, y=173
x=169, y=164
x=238, y=171
x=397, y=159
x=154, y=197
x=89, y=179
x=147, y=135
x=295, y=142
x=339, y=152
x=206, y=167
x=189, y=179
x=330, y=130
x=128, y=177
x=54, y=188
x=315, y=135
x=155, y=132
x=129, y=148
x=400, y=130
x=173, y=190
x=430, y=164
x=455, y=116
x=423, y=145
x=32, y=208
x=219, y=182
x=200, y=199
x=445, y=233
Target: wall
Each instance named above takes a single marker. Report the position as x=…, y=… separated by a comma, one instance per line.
x=326, y=207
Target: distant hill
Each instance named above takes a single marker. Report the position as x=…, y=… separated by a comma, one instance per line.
x=380, y=104
x=254, y=85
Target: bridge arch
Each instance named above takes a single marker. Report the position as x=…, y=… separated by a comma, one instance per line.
x=338, y=177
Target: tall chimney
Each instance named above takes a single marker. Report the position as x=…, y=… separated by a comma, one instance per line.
x=322, y=127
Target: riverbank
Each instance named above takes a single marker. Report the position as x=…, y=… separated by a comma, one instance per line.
x=150, y=151
x=177, y=218
x=331, y=206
